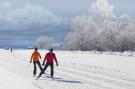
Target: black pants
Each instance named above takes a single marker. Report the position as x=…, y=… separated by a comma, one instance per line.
x=35, y=67
x=46, y=65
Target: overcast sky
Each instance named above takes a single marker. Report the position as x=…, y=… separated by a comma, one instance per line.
x=18, y=16
x=72, y=7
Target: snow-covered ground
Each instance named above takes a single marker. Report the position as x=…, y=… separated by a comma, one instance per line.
x=77, y=70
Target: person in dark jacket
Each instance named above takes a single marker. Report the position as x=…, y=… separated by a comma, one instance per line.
x=49, y=58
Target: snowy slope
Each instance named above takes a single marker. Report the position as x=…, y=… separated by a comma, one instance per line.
x=77, y=70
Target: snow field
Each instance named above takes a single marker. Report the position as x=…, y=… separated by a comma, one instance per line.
x=77, y=70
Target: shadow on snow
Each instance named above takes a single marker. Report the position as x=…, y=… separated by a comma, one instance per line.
x=62, y=80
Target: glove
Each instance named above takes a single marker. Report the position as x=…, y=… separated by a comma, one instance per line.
x=43, y=64
x=56, y=64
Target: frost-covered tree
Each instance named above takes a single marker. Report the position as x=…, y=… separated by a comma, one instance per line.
x=44, y=42
x=101, y=29
x=79, y=39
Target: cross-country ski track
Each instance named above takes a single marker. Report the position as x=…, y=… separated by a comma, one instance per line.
x=16, y=73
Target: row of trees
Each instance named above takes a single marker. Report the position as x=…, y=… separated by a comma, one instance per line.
x=97, y=33
x=101, y=29
x=93, y=33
